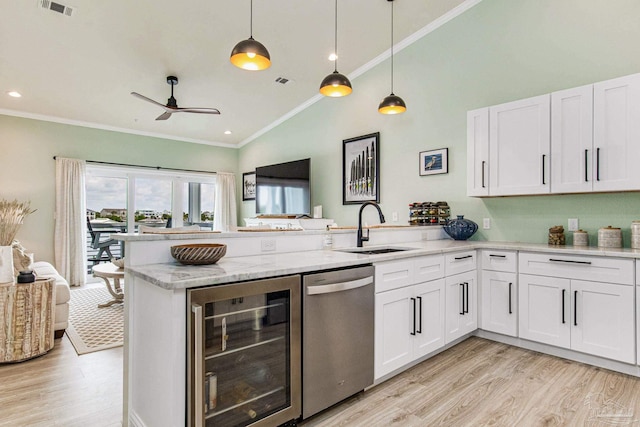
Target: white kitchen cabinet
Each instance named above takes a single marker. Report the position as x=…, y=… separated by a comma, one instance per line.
x=461, y=305
x=409, y=324
x=616, y=132
x=519, y=147
x=562, y=309
x=499, y=302
x=572, y=153
x=459, y=262
x=478, y=152
x=410, y=304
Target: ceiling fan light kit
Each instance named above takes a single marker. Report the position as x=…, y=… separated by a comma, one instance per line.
x=250, y=54
x=392, y=104
x=335, y=84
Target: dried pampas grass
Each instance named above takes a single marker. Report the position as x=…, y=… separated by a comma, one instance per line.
x=12, y=214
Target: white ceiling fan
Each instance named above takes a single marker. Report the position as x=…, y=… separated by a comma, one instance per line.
x=172, y=105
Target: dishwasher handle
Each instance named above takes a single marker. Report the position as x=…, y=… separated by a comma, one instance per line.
x=338, y=287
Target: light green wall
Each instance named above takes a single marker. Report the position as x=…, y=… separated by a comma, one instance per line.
x=27, y=168
x=498, y=51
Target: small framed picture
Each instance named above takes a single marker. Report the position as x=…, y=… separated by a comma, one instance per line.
x=249, y=186
x=434, y=162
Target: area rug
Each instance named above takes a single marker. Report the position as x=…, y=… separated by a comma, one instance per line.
x=92, y=328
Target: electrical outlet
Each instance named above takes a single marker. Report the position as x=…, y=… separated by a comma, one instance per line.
x=268, y=245
x=486, y=223
x=394, y=215
x=573, y=224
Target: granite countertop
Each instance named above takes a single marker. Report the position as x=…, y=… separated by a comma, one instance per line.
x=235, y=269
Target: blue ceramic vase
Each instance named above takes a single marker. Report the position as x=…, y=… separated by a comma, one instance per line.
x=460, y=229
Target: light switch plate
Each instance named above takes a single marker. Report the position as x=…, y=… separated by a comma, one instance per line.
x=573, y=224
x=394, y=215
x=486, y=223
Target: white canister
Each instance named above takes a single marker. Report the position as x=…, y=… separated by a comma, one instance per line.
x=6, y=265
x=580, y=238
x=609, y=237
x=635, y=234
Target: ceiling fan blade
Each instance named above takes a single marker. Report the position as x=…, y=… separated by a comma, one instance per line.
x=164, y=116
x=198, y=110
x=144, y=98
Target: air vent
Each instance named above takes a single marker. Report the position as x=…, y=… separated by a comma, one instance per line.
x=283, y=80
x=56, y=7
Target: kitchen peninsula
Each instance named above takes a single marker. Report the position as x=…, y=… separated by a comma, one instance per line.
x=157, y=313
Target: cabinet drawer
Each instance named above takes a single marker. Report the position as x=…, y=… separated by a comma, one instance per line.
x=428, y=268
x=460, y=262
x=393, y=275
x=595, y=269
x=499, y=261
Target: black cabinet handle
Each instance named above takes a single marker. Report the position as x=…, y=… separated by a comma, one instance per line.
x=414, y=316
x=466, y=299
x=570, y=261
x=510, y=286
x=597, y=164
x=462, y=295
x=463, y=257
x=483, y=164
x=563, y=291
x=543, y=162
x=497, y=256
x=575, y=308
x=586, y=165
x=419, y=315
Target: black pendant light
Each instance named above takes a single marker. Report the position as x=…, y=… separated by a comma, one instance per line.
x=250, y=54
x=392, y=104
x=335, y=84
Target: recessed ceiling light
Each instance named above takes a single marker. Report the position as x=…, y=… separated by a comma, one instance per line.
x=227, y=132
x=333, y=57
x=14, y=94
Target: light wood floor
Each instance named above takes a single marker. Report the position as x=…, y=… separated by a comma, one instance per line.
x=484, y=383
x=476, y=383
x=63, y=389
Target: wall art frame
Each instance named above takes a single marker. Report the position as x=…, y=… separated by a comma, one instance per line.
x=434, y=162
x=248, y=186
x=361, y=169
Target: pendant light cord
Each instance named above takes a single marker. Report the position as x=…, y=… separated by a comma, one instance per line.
x=392, y=47
x=251, y=21
x=335, y=38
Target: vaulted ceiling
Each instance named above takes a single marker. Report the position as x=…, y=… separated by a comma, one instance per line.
x=80, y=69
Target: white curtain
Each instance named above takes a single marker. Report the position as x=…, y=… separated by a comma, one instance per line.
x=225, y=216
x=70, y=223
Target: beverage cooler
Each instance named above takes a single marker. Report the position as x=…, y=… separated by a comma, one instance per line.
x=244, y=354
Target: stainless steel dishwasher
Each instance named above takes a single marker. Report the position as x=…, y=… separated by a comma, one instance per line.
x=337, y=338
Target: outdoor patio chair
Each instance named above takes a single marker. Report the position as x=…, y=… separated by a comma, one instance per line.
x=102, y=247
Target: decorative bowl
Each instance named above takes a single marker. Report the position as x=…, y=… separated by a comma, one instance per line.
x=198, y=253
x=460, y=229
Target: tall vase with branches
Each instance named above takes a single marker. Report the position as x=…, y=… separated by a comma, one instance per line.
x=12, y=215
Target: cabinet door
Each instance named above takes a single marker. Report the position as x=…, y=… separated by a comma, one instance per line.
x=544, y=309
x=519, y=146
x=429, y=317
x=393, y=329
x=499, y=302
x=478, y=152
x=616, y=131
x=572, y=140
x=602, y=320
x=461, y=312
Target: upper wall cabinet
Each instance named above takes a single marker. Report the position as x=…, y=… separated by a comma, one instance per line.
x=572, y=141
x=616, y=134
x=478, y=152
x=519, y=147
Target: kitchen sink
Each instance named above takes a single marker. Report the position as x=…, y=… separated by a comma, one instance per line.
x=373, y=251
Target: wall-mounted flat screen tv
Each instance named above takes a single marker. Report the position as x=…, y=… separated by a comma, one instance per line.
x=284, y=188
